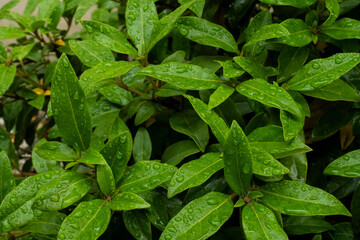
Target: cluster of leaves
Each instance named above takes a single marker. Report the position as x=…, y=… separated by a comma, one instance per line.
x=156, y=119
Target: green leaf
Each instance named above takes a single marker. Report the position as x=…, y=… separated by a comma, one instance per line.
x=142, y=145
x=176, y=152
x=40, y=164
x=137, y=224
x=48, y=223
x=141, y=18
x=259, y=222
x=294, y=3
x=145, y=111
x=197, y=7
x=116, y=94
x=90, y=52
x=255, y=69
x=290, y=61
x=117, y=153
x=268, y=32
x=7, y=180
x=55, y=151
x=7, y=75
x=220, y=95
x=70, y=110
x=345, y=28
x=270, y=95
x=231, y=69
x=127, y=201
x=109, y=37
x=299, y=33
x=20, y=200
x=334, y=11
x=22, y=51
x=302, y=101
x=264, y=164
x=305, y=225
x=204, y=32
x=343, y=231
x=189, y=123
x=164, y=26
x=105, y=179
x=11, y=32
x=297, y=163
x=157, y=213
x=82, y=8
x=93, y=78
x=238, y=160
x=347, y=165
x=195, y=173
x=38, y=102
x=178, y=56
x=321, y=72
x=46, y=8
x=271, y=140
x=292, y=124
x=146, y=175
x=62, y=192
x=10, y=4
x=182, y=75
x=338, y=90
x=92, y=157
x=216, y=123
x=200, y=218
x=88, y=221
x=299, y=199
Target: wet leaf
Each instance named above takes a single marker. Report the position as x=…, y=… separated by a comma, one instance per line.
x=176, y=152
x=220, y=95
x=142, y=145
x=290, y=61
x=56, y=151
x=345, y=28
x=7, y=180
x=255, y=69
x=305, y=225
x=6, y=77
x=294, y=3
x=347, y=165
x=105, y=179
x=127, y=201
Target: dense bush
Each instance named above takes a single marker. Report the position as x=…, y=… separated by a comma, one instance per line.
x=187, y=120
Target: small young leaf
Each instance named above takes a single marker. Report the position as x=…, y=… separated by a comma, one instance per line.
x=292, y=124
x=238, y=160
x=255, y=69
x=347, y=166
x=304, y=225
x=290, y=61
x=294, y=3
x=194, y=173
x=146, y=175
x=270, y=95
x=197, y=7
x=142, y=145
x=217, y=124
x=266, y=165
x=127, y=201
x=62, y=192
x=231, y=69
x=259, y=222
x=93, y=78
x=334, y=11
x=338, y=90
x=88, y=221
x=220, y=95
x=141, y=17
x=182, y=75
x=189, y=123
x=7, y=75
x=70, y=110
x=164, y=26
x=116, y=94
x=90, y=52
x=300, y=33
x=117, y=153
x=204, y=32
x=345, y=28
x=92, y=157
x=321, y=72
x=105, y=179
x=299, y=199
x=145, y=111
x=199, y=219
x=109, y=37
x=176, y=152
x=7, y=181
x=56, y=151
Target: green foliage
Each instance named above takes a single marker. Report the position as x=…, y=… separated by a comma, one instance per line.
x=158, y=118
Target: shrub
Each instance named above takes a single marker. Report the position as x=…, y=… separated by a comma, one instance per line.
x=180, y=120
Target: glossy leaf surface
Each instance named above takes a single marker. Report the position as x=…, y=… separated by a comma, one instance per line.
x=264, y=164
x=303, y=225
x=259, y=222
x=176, y=152
x=345, y=28
x=347, y=166
x=294, y=3
x=220, y=95
x=268, y=32
x=299, y=33
x=290, y=61
x=56, y=151
x=194, y=173
x=7, y=75
x=127, y=201
x=68, y=104
x=254, y=69
x=142, y=145
x=299, y=199
x=182, y=75
x=7, y=181
x=146, y=175
x=105, y=179
x=213, y=210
